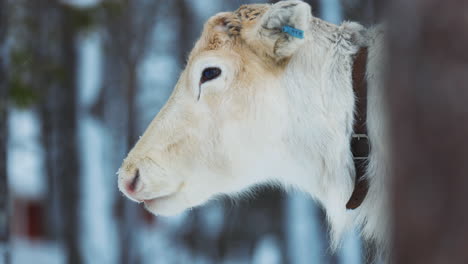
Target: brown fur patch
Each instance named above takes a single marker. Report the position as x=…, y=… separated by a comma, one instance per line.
x=232, y=23
x=235, y=31
x=215, y=42
x=250, y=12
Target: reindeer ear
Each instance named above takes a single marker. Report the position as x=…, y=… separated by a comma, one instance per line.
x=269, y=30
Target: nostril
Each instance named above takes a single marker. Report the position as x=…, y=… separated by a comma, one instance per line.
x=132, y=186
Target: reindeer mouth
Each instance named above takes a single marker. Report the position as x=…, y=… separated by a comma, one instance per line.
x=149, y=202
x=167, y=205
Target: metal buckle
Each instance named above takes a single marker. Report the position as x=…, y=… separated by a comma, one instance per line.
x=359, y=136
x=359, y=139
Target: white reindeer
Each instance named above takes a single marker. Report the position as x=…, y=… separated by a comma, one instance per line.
x=256, y=105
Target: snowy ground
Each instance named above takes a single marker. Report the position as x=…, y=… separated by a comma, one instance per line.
x=37, y=252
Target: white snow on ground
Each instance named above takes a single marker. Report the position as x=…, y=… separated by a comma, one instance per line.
x=267, y=251
x=25, y=171
x=36, y=252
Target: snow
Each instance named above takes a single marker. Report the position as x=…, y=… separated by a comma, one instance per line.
x=37, y=252
x=267, y=251
x=157, y=244
x=25, y=169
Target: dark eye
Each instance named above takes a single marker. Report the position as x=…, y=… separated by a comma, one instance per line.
x=210, y=74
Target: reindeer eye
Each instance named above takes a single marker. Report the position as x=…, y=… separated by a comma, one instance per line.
x=210, y=74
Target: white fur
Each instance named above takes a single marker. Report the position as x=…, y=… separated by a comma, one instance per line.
x=252, y=125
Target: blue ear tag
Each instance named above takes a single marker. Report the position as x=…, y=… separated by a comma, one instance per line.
x=297, y=33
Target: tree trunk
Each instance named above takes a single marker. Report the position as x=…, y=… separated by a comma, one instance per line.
x=52, y=209
x=130, y=214
x=428, y=95
x=67, y=159
x=4, y=194
x=115, y=94
x=186, y=37
x=42, y=15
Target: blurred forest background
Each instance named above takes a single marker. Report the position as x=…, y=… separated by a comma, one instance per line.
x=80, y=80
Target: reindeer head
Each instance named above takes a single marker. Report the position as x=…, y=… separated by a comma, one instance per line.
x=223, y=128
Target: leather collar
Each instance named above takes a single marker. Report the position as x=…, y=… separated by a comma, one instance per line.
x=360, y=146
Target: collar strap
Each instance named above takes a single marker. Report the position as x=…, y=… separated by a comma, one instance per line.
x=360, y=146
